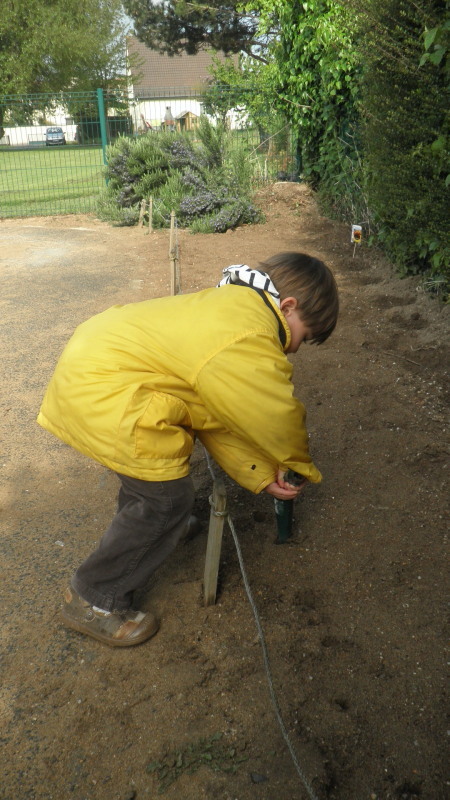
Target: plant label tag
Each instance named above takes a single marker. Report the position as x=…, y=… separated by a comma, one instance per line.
x=356, y=234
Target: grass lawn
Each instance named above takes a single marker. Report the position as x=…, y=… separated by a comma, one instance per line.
x=50, y=180
x=68, y=179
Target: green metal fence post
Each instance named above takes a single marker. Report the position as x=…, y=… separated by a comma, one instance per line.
x=41, y=174
x=102, y=117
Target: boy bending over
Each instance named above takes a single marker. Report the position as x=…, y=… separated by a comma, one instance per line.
x=137, y=383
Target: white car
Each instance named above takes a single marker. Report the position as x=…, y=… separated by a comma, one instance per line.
x=54, y=136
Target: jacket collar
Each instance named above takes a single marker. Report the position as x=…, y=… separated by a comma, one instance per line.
x=242, y=275
x=284, y=330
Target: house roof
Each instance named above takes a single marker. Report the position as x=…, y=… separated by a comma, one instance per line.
x=160, y=75
x=185, y=114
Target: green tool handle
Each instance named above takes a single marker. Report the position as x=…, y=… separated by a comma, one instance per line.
x=284, y=509
x=293, y=477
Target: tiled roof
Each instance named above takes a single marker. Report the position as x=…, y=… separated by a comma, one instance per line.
x=163, y=75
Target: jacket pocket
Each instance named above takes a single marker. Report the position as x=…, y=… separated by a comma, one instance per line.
x=163, y=430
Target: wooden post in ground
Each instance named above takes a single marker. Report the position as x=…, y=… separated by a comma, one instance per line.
x=142, y=213
x=214, y=545
x=150, y=215
x=173, y=255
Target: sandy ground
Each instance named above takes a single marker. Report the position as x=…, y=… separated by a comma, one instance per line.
x=352, y=606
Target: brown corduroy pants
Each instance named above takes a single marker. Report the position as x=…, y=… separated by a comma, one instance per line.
x=151, y=518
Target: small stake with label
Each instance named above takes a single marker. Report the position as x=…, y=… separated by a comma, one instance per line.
x=356, y=236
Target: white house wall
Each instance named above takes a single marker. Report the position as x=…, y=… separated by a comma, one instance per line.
x=153, y=111
x=23, y=136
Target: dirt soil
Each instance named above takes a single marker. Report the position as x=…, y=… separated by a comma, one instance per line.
x=351, y=606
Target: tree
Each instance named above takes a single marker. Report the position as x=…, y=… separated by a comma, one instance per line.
x=240, y=87
x=247, y=89
x=176, y=26
x=50, y=46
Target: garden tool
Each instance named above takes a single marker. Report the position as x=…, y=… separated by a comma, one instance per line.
x=284, y=509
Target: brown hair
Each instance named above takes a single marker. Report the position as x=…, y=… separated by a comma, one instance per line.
x=313, y=285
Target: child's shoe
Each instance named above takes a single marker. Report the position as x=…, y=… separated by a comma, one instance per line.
x=118, y=629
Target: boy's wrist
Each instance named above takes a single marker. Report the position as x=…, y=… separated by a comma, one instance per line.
x=262, y=486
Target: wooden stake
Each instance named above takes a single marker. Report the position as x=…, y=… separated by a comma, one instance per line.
x=142, y=212
x=214, y=545
x=172, y=231
x=175, y=282
x=173, y=276
x=172, y=255
x=150, y=215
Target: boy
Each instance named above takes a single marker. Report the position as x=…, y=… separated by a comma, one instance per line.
x=137, y=383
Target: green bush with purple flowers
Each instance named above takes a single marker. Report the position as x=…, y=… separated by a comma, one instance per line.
x=205, y=181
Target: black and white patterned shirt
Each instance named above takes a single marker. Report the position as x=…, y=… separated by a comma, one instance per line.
x=242, y=275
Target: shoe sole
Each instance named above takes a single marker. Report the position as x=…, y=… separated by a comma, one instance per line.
x=80, y=628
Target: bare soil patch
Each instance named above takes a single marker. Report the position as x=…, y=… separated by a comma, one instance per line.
x=352, y=606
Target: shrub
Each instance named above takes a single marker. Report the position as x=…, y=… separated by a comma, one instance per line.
x=135, y=169
x=200, y=182
x=169, y=198
x=109, y=210
x=406, y=131
x=214, y=142
x=238, y=212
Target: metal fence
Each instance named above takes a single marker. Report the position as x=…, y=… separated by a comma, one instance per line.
x=53, y=149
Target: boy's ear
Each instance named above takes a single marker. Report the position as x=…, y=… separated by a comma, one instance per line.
x=288, y=304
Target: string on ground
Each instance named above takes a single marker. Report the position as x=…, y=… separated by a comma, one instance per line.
x=306, y=784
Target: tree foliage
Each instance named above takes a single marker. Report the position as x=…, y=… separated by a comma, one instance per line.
x=50, y=46
x=244, y=87
x=406, y=129
x=315, y=83
x=61, y=45
x=366, y=82
x=176, y=26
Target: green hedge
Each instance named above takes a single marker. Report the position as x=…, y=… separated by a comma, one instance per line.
x=405, y=113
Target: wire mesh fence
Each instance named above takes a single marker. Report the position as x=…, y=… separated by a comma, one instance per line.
x=53, y=149
x=51, y=154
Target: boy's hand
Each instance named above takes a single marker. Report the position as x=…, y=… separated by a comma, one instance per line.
x=283, y=490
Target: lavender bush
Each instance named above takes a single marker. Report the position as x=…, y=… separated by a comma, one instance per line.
x=206, y=187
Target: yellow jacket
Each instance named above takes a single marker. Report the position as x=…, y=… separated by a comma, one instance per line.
x=137, y=382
